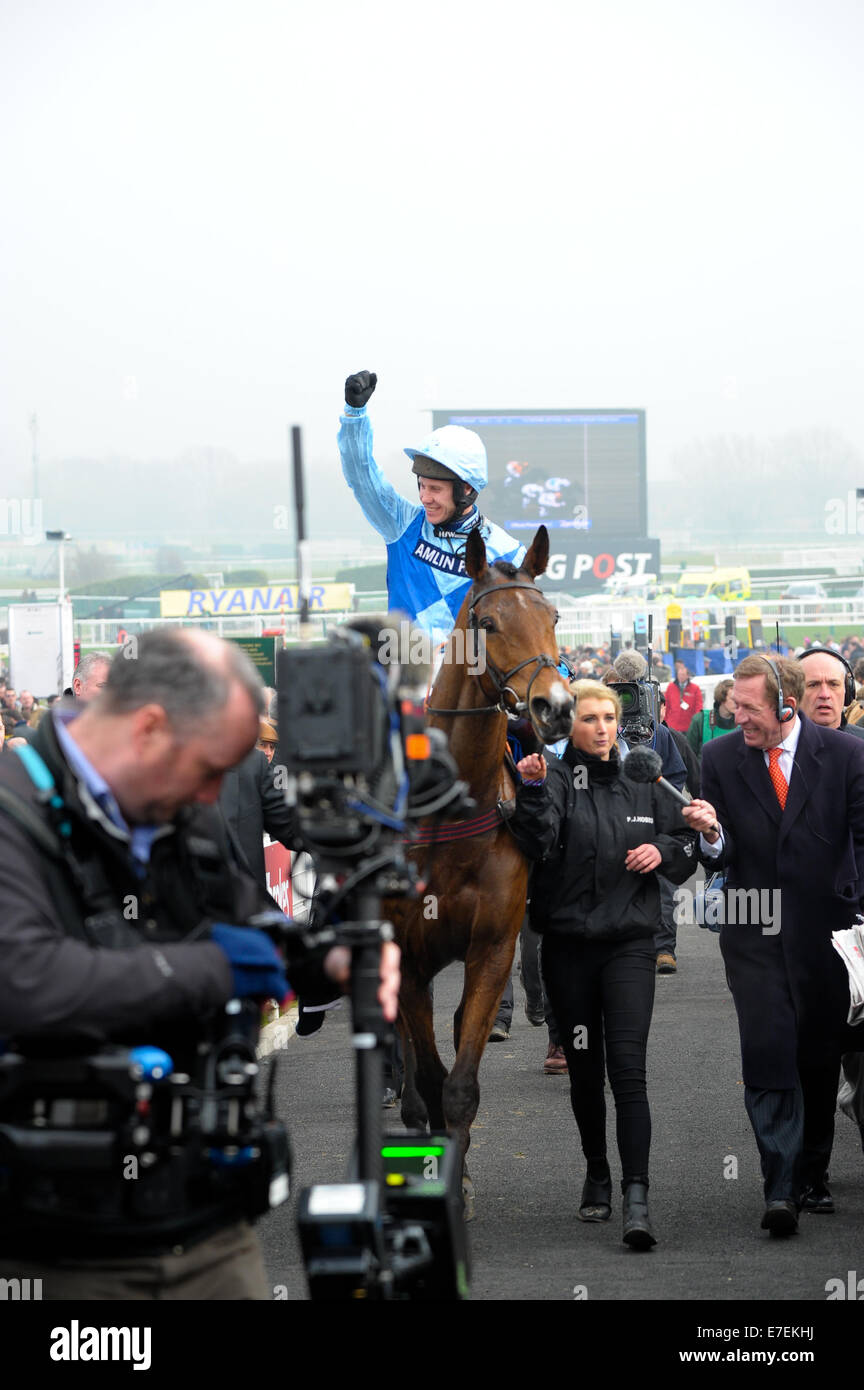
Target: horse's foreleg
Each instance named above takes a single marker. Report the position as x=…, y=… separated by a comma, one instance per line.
x=485, y=979
x=457, y=1017
x=457, y=1022
x=424, y=1070
x=413, y=1110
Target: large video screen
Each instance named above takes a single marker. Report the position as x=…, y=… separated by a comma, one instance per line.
x=583, y=470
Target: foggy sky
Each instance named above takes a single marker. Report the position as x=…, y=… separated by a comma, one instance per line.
x=213, y=212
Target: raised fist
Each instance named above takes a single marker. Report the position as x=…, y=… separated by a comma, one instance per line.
x=359, y=388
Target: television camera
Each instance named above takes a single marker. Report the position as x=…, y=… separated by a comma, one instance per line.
x=362, y=770
x=640, y=702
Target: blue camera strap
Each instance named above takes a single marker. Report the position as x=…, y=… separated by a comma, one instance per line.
x=40, y=775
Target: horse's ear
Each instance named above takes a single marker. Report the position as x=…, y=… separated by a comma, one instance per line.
x=475, y=554
x=537, y=559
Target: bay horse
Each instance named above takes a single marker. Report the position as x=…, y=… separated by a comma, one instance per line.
x=478, y=881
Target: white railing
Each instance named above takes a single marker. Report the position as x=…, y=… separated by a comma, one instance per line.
x=578, y=626
x=103, y=632
x=590, y=625
x=828, y=611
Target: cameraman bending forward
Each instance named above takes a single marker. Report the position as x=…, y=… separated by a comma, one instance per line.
x=123, y=915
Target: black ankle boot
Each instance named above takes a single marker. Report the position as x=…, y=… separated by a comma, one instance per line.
x=638, y=1233
x=596, y=1204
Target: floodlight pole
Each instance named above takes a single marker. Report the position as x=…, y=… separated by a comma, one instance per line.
x=61, y=538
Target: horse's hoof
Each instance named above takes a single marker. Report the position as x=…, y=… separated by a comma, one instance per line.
x=467, y=1199
x=417, y=1123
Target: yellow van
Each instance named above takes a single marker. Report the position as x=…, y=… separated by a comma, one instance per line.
x=721, y=585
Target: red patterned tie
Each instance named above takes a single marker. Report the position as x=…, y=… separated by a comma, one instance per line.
x=781, y=786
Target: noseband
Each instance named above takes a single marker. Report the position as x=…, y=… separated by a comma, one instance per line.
x=500, y=679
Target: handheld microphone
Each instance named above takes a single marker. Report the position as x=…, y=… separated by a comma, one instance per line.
x=644, y=765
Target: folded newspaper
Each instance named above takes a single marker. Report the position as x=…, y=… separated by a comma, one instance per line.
x=850, y=945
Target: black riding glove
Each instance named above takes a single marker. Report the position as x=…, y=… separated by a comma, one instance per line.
x=359, y=388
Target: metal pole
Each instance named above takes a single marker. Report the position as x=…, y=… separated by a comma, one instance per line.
x=34, y=430
x=368, y=1030
x=62, y=609
x=303, y=556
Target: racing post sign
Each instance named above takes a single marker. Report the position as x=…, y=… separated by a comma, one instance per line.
x=582, y=564
x=582, y=473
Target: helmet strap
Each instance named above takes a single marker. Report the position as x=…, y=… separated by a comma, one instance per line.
x=464, y=496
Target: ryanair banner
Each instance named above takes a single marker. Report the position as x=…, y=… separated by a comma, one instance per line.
x=274, y=599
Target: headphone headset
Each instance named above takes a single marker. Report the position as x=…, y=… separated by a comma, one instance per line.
x=463, y=494
x=849, y=689
x=784, y=712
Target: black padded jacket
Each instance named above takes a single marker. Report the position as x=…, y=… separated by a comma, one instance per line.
x=580, y=824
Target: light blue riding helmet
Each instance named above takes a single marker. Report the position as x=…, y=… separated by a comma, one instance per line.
x=457, y=451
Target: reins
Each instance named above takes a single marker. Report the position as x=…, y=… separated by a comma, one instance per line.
x=500, y=678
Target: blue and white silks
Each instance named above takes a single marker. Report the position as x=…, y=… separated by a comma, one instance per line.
x=425, y=571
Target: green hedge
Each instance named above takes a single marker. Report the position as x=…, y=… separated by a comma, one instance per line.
x=366, y=578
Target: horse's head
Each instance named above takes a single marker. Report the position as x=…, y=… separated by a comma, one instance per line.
x=517, y=651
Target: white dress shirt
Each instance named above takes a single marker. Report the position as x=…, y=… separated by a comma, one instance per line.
x=787, y=762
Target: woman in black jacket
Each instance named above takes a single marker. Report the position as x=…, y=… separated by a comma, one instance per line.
x=600, y=839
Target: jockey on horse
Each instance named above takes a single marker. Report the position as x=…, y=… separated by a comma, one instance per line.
x=426, y=574
x=426, y=577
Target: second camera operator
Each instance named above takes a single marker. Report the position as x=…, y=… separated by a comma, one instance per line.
x=645, y=728
x=124, y=933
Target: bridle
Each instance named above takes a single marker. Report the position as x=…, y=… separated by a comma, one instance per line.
x=501, y=679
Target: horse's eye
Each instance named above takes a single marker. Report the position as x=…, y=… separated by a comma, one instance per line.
x=488, y=624
x=557, y=616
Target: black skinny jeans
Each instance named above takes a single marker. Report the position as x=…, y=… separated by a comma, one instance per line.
x=602, y=993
